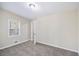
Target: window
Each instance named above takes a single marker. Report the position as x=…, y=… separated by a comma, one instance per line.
x=13, y=27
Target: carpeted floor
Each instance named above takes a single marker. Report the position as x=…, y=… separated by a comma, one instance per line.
x=29, y=49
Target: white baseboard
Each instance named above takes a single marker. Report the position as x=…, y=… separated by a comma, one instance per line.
x=38, y=42
x=57, y=46
x=13, y=44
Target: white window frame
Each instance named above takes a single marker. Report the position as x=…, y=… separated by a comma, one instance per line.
x=9, y=20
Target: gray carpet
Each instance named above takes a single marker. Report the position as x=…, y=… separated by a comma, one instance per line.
x=29, y=49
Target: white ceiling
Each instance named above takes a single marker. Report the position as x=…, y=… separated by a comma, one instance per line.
x=44, y=9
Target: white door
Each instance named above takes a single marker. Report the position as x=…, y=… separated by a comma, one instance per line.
x=33, y=31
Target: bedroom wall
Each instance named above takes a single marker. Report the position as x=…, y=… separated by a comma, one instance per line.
x=78, y=31
x=59, y=29
x=5, y=40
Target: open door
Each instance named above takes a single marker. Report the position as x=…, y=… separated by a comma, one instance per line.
x=33, y=32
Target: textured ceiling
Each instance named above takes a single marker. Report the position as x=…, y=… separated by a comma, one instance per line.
x=44, y=9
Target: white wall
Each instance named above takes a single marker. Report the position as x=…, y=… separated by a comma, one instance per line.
x=58, y=30
x=78, y=31
x=5, y=40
